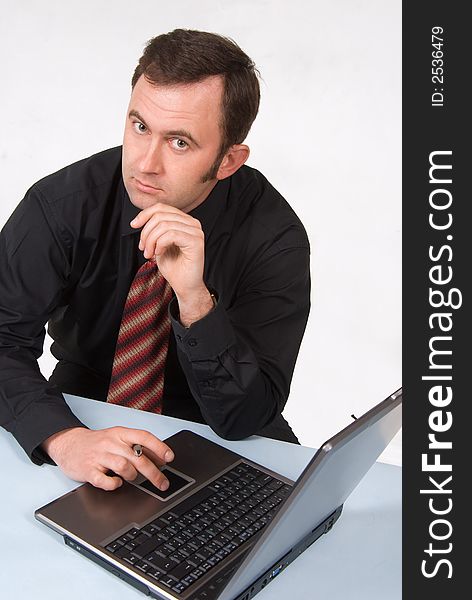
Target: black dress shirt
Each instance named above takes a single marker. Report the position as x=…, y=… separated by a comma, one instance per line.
x=68, y=256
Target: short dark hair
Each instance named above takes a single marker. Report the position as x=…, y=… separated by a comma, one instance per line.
x=188, y=56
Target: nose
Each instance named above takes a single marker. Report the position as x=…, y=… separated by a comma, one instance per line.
x=151, y=159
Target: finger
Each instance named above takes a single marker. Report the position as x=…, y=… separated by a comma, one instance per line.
x=147, y=440
x=153, y=457
x=148, y=242
x=159, y=226
x=147, y=213
x=171, y=221
x=152, y=472
x=100, y=480
x=170, y=238
x=121, y=466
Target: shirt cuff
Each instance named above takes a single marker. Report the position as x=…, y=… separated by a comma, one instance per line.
x=35, y=427
x=206, y=338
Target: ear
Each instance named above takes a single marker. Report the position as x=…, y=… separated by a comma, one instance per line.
x=236, y=156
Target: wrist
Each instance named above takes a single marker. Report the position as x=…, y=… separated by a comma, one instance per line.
x=195, y=306
x=52, y=445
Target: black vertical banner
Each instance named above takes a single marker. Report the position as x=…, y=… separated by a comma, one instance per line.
x=437, y=334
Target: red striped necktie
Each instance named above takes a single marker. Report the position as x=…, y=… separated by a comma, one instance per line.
x=137, y=378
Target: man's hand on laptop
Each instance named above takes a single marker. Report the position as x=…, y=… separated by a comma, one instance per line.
x=88, y=455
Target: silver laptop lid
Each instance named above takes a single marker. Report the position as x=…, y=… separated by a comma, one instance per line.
x=330, y=477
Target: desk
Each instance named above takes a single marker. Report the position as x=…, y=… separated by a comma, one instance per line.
x=359, y=559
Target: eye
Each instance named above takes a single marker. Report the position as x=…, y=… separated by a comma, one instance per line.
x=178, y=144
x=139, y=127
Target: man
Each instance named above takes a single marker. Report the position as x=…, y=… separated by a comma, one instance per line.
x=233, y=255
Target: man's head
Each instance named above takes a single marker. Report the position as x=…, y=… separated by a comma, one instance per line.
x=192, y=82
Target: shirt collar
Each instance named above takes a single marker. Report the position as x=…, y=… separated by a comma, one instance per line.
x=207, y=212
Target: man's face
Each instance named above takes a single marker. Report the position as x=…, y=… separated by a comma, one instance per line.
x=172, y=138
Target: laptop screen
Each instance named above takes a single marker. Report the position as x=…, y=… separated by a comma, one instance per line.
x=332, y=474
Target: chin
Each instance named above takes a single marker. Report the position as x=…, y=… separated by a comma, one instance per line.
x=140, y=199
x=143, y=202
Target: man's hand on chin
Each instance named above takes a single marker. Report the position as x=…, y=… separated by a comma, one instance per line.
x=177, y=242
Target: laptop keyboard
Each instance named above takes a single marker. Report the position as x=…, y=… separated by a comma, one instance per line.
x=180, y=546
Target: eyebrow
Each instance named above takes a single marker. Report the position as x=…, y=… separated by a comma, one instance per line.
x=172, y=132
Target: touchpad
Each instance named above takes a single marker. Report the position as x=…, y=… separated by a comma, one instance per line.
x=178, y=481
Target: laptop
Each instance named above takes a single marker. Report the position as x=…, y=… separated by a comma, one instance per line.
x=226, y=526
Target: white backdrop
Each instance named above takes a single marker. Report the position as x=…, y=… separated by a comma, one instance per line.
x=327, y=136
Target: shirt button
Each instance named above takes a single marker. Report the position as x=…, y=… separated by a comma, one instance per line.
x=192, y=342
x=179, y=337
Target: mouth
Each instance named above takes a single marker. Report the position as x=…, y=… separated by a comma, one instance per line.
x=144, y=187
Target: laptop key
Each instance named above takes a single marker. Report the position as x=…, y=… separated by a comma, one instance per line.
x=205, y=553
x=180, y=540
x=197, y=573
x=155, y=573
x=172, y=530
x=168, y=581
x=142, y=537
x=188, y=579
x=165, y=550
x=113, y=547
x=142, y=566
x=172, y=545
x=171, y=516
x=132, y=533
x=195, y=544
x=285, y=490
x=147, y=547
x=124, y=539
x=160, y=523
x=182, y=570
x=219, y=525
x=257, y=525
x=177, y=558
x=207, y=520
x=195, y=560
x=213, y=560
x=236, y=529
x=205, y=537
x=151, y=529
x=186, y=550
x=165, y=565
x=214, y=547
x=122, y=552
x=132, y=560
x=222, y=538
x=276, y=484
x=179, y=524
x=131, y=545
x=179, y=587
x=239, y=470
x=163, y=536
